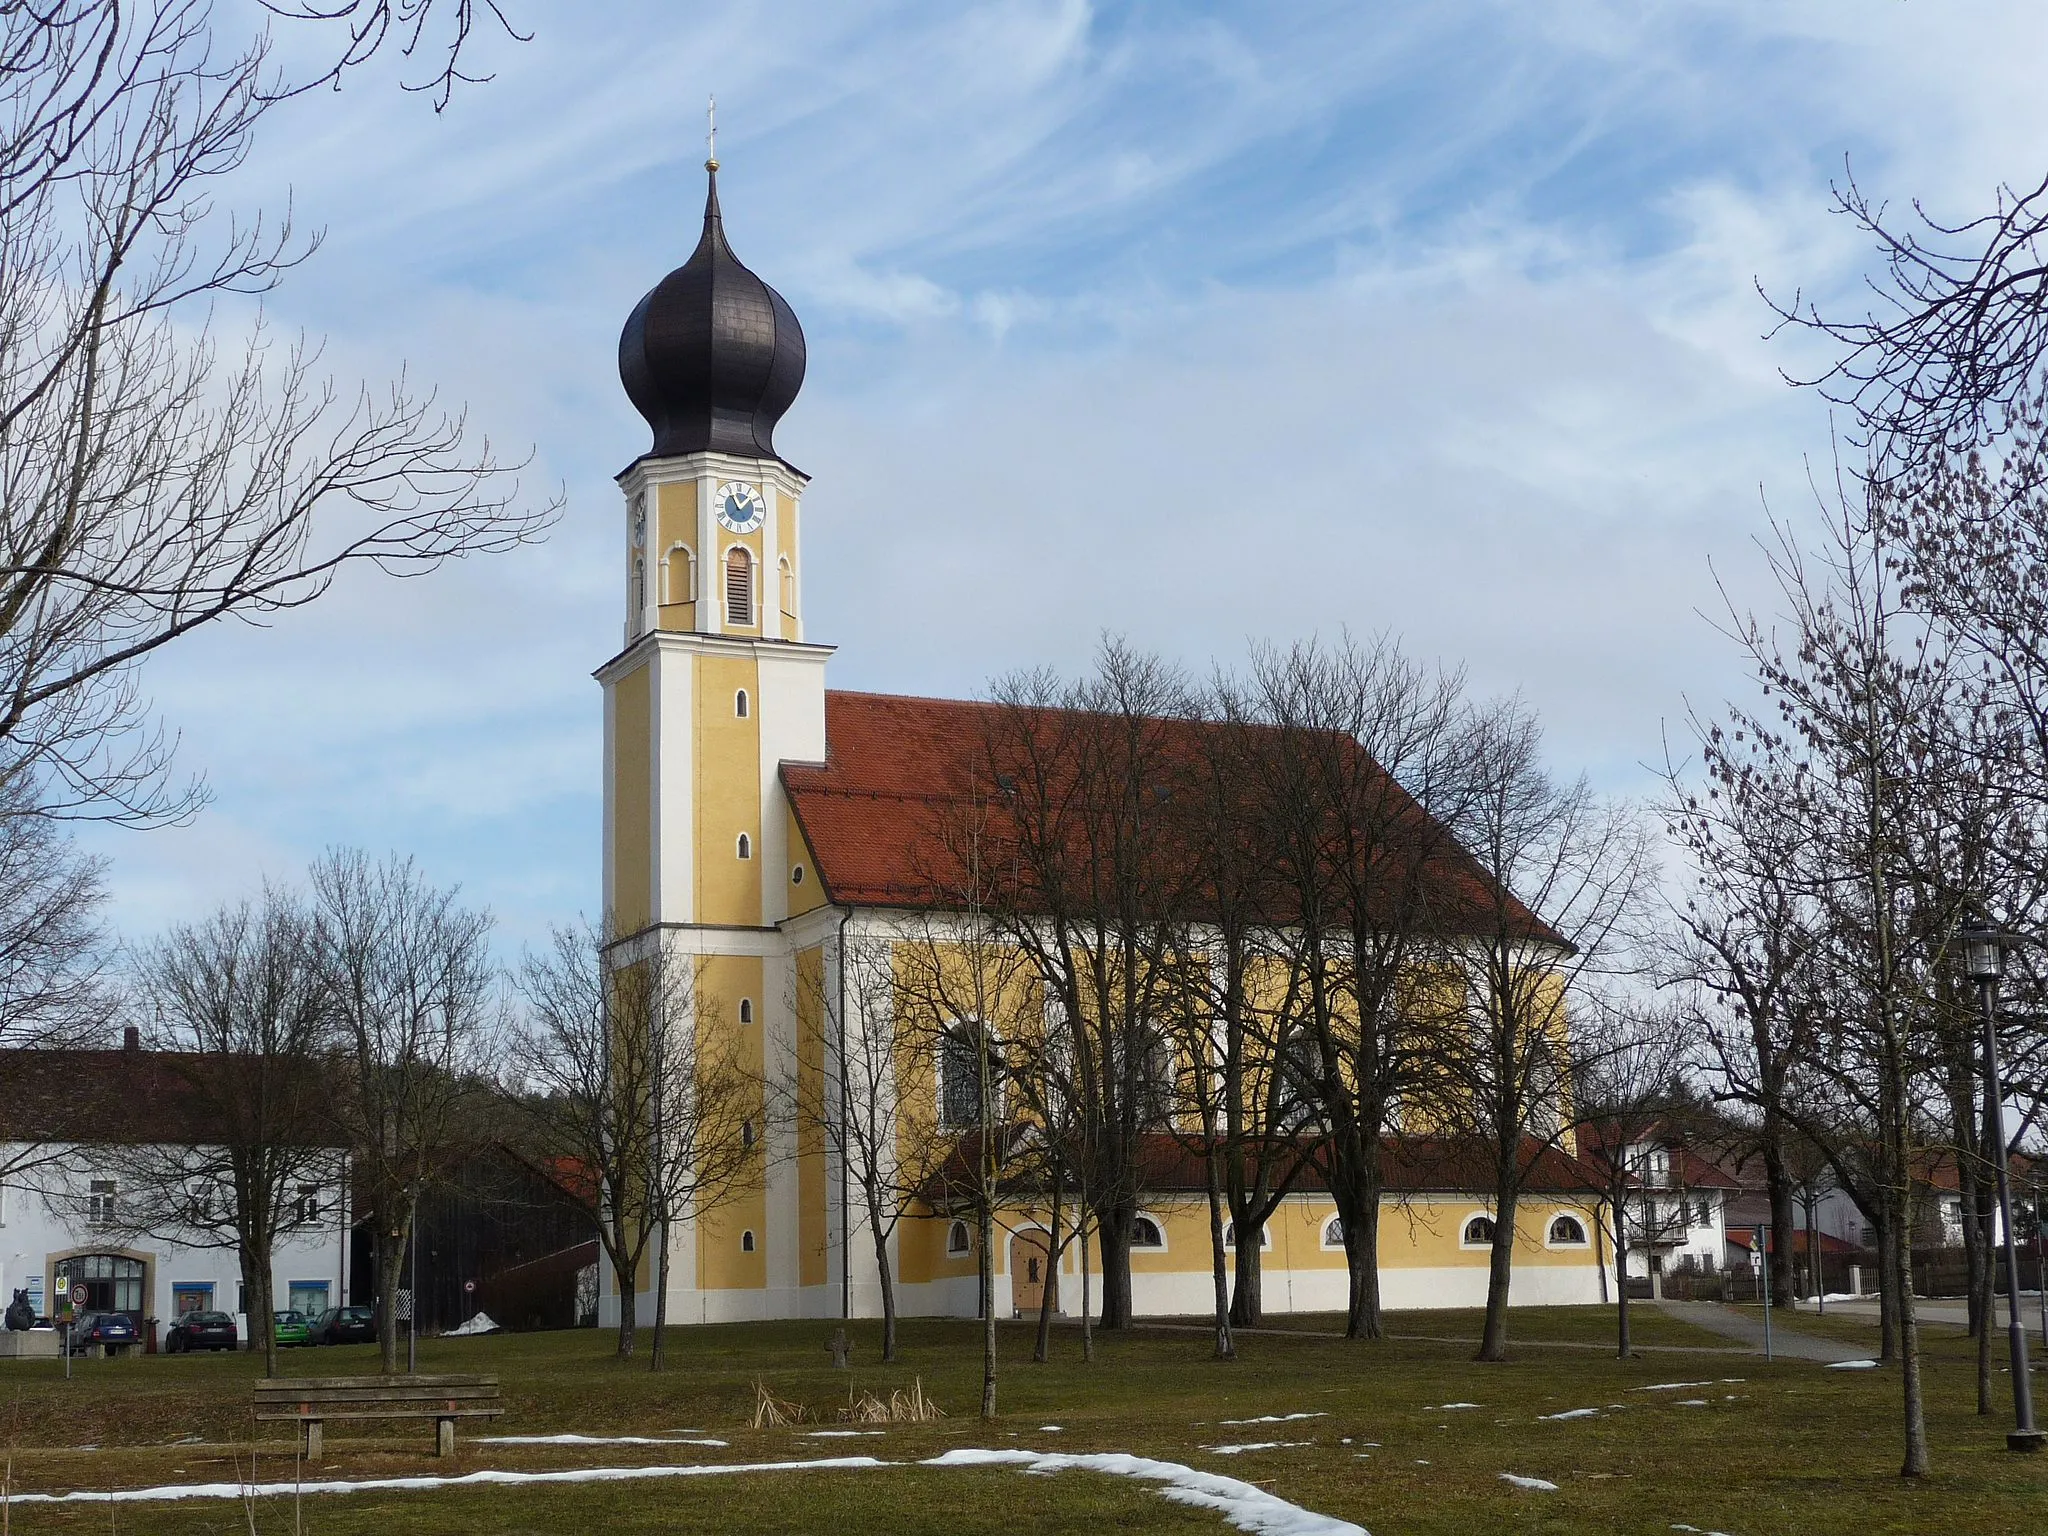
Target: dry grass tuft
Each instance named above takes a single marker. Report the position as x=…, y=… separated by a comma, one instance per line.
x=772, y=1412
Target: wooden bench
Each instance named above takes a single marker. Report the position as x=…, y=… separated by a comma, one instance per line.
x=312, y=1401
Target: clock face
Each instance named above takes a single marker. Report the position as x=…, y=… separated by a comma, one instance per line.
x=740, y=507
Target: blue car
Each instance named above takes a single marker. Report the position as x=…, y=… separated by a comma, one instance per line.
x=115, y=1330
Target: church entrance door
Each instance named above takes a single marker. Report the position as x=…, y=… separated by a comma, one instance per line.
x=1030, y=1273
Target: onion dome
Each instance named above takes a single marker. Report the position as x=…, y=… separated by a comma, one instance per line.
x=712, y=356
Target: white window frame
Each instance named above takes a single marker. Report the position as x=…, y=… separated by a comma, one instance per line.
x=1335, y=1218
x=1158, y=1225
x=1465, y=1224
x=1550, y=1240
x=966, y=1243
x=1265, y=1236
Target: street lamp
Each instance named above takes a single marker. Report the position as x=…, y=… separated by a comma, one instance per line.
x=1984, y=963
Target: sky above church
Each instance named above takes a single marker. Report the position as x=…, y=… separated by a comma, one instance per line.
x=1197, y=325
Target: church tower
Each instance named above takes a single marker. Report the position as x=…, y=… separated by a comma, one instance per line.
x=714, y=688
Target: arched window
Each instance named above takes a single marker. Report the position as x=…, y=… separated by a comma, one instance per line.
x=746, y=846
x=681, y=574
x=741, y=704
x=788, y=587
x=1146, y=1233
x=1478, y=1232
x=639, y=587
x=747, y=1133
x=746, y=1010
x=957, y=1239
x=746, y=1242
x=960, y=1083
x=739, y=586
x=1230, y=1237
x=1568, y=1232
x=796, y=876
x=1333, y=1232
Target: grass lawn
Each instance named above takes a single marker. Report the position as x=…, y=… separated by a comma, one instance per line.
x=1787, y=1448
x=1528, y=1325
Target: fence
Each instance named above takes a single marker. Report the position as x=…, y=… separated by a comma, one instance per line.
x=1936, y=1272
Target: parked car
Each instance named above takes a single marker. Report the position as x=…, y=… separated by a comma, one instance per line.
x=290, y=1328
x=344, y=1325
x=202, y=1330
x=113, y=1329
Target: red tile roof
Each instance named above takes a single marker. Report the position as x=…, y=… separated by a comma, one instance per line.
x=118, y=1098
x=875, y=811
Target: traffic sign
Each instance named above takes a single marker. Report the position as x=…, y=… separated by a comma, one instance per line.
x=79, y=1295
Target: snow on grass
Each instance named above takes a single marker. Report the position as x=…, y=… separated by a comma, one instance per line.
x=1572, y=1413
x=1255, y=1445
x=1244, y=1506
x=1697, y=1531
x=1249, y=1508
x=1692, y=1402
x=592, y=1440
x=1445, y=1407
x=1051, y=1429
x=1275, y=1418
x=839, y=1434
x=1853, y=1365
x=1671, y=1386
x=488, y=1478
x=1539, y=1485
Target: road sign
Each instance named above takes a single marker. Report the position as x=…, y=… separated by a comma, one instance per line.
x=78, y=1295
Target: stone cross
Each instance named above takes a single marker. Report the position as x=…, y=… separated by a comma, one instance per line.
x=841, y=1347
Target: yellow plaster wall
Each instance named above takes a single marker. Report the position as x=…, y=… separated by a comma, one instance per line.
x=722, y=982
x=810, y=1146
x=631, y=896
x=809, y=896
x=728, y=762
x=786, y=625
x=676, y=523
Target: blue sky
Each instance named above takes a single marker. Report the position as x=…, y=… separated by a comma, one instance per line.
x=1198, y=324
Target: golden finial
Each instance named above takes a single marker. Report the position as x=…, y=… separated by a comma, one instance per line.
x=711, y=135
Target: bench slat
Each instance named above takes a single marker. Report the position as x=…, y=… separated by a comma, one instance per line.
x=376, y=1395
x=402, y=1413
x=301, y=1383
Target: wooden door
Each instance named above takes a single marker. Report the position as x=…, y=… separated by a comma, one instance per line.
x=1030, y=1273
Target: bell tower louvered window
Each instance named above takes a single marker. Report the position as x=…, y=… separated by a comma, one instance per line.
x=739, y=587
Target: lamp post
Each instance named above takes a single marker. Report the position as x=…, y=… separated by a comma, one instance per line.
x=1984, y=963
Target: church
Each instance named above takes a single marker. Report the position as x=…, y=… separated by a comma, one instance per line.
x=763, y=823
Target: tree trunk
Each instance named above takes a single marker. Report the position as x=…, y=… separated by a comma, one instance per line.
x=1041, y=1346
x=1779, y=1185
x=1983, y=1286
x=1247, y=1302
x=1622, y=1346
x=988, y=1309
x=1916, y=1462
x=625, y=1274
x=1493, y=1342
x=1359, y=1208
x=262, y=1313
x=390, y=1268
x=1087, y=1303
x=1226, y=1346
x=1888, y=1269
x=657, y=1357
x=888, y=1280
x=1115, y=1235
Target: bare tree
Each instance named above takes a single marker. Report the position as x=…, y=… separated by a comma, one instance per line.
x=1502, y=1019
x=1626, y=1065
x=617, y=1077
x=158, y=473
x=240, y=1013
x=412, y=999
x=53, y=949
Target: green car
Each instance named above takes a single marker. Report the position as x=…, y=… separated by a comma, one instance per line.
x=291, y=1329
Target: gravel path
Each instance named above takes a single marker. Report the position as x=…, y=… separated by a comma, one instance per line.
x=1787, y=1343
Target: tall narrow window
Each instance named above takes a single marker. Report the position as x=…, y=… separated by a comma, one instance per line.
x=682, y=575
x=739, y=587
x=746, y=846
x=788, y=587
x=739, y=703
x=639, y=587
x=746, y=1010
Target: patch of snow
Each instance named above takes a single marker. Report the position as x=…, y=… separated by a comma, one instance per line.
x=1443, y=1407
x=1697, y=1531
x=1853, y=1365
x=1050, y=1429
x=1540, y=1485
x=1671, y=1386
x=1243, y=1505
x=1256, y=1445
x=1692, y=1402
x=1275, y=1418
x=1731, y=1380
x=839, y=1434
x=1572, y=1413
x=592, y=1440
x=481, y=1323
x=484, y=1479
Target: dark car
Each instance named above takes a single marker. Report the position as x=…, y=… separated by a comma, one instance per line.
x=201, y=1330
x=113, y=1329
x=344, y=1325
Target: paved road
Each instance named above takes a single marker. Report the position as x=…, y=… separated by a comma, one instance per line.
x=1949, y=1310
x=1786, y=1343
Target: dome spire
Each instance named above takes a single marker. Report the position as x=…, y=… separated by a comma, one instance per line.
x=712, y=356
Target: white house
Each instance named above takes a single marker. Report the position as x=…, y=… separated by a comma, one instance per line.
x=1676, y=1215
x=69, y=1123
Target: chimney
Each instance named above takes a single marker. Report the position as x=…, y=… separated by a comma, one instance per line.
x=131, y=1038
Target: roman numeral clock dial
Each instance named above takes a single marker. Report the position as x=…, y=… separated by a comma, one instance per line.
x=740, y=507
